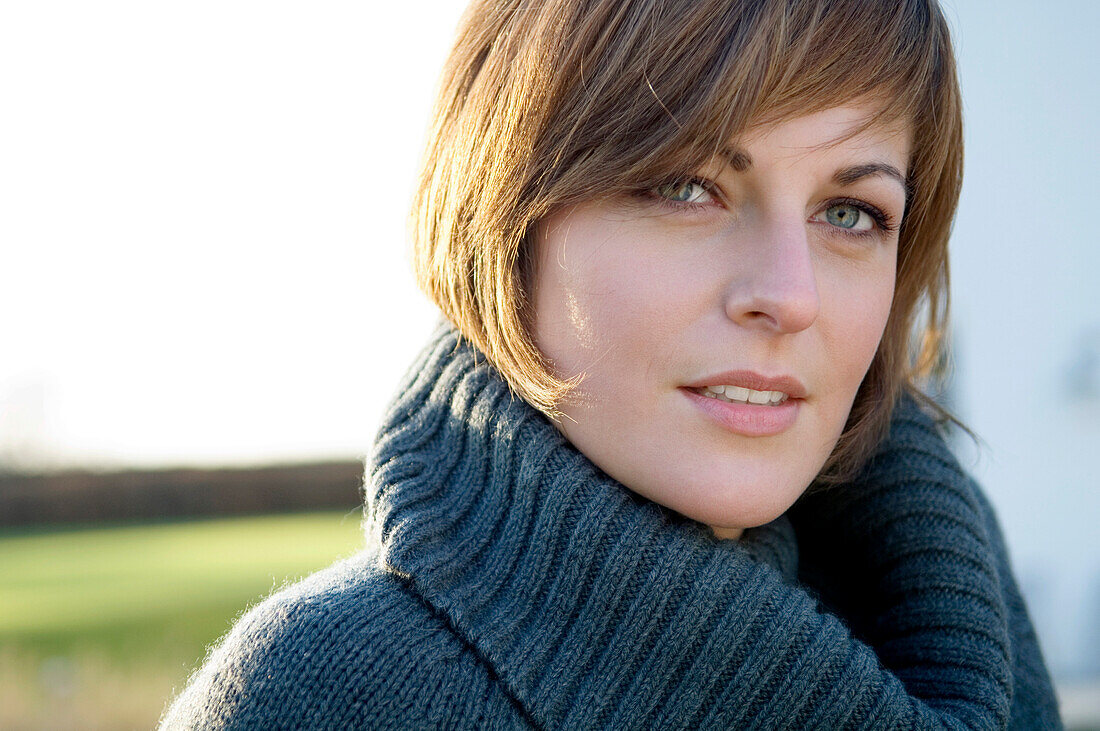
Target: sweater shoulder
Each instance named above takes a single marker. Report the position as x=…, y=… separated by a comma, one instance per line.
x=351, y=646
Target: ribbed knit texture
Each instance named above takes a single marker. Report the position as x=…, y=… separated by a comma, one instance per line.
x=912, y=557
x=515, y=585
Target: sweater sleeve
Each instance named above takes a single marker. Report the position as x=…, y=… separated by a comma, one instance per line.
x=910, y=556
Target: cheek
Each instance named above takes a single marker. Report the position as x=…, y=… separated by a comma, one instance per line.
x=860, y=306
x=597, y=302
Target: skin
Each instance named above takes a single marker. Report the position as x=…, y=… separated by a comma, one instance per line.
x=753, y=267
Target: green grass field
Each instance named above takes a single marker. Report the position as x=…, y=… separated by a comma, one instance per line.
x=99, y=625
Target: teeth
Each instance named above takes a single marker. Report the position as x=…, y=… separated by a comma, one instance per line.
x=743, y=395
x=736, y=393
x=760, y=397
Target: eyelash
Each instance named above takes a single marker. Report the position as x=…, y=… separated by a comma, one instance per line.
x=884, y=222
x=652, y=194
x=881, y=219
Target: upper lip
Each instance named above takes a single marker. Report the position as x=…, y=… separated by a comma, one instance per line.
x=756, y=381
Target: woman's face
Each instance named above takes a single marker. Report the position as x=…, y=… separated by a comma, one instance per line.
x=767, y=277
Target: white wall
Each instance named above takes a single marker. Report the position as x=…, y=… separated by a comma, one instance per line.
x=1026, y=268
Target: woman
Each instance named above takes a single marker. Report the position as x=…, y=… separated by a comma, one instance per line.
x=665, y=465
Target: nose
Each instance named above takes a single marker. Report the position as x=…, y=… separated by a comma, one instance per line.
x=774, y=286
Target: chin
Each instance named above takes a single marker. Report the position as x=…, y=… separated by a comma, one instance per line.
x=747, y=506
x=741, y=517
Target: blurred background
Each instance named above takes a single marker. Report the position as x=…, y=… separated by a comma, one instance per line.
x=205, y=303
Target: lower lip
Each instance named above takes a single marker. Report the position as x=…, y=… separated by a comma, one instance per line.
x=750, y=420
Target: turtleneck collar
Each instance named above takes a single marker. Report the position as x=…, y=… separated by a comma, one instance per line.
x=559, y=575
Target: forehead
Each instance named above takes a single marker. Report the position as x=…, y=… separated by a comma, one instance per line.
x=839, y=133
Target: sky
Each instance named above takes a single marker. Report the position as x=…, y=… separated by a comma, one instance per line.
x=202, y=226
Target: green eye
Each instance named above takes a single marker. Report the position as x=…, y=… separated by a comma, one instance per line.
x=845, y=216
x=688, y=191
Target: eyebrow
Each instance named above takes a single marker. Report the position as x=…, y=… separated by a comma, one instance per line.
x=849, y=175
x=740, y=161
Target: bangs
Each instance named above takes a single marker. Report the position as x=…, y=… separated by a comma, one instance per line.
x=651, y=88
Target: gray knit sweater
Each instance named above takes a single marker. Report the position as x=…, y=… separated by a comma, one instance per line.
x=508, y=583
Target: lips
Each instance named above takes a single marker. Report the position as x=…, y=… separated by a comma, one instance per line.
x=748, y=403
x=752, y=381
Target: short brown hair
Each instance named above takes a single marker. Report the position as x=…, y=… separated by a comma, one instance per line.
x=547, y=104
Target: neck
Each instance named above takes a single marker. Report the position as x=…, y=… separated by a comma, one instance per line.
x=726, y=534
